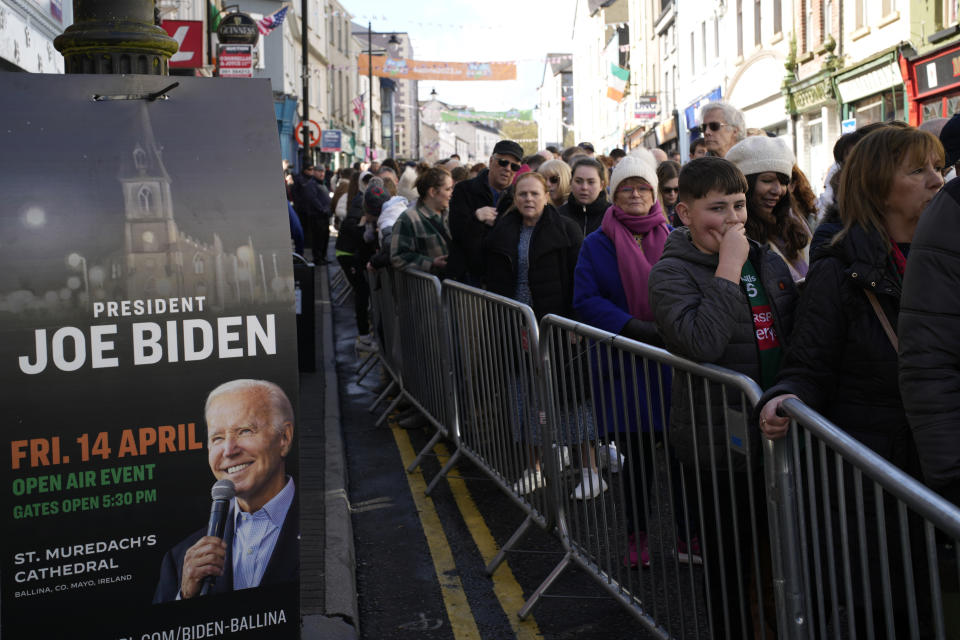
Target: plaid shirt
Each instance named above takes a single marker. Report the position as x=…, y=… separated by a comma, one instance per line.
x=419, y=236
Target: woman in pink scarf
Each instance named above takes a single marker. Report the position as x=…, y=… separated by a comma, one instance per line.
x=610, y=293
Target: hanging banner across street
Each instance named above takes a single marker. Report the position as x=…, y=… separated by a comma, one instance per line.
x=153, y=269
x=401, y=68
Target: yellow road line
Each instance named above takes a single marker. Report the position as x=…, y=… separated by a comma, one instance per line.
x=505, y=586
x=454, y=598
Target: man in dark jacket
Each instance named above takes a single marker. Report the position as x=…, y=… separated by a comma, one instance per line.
x=930, y=342
x=474, y=208
x=311, y=199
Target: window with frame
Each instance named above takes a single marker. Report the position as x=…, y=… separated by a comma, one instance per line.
x=740, y=28
x=948, y=10
x=777, y=16
x=860, y=13
x=716, y=37
x=889, y=6
x=827, y=19
x=756, y=22
x=808, y=25
x=703, y=44
x=693, y=57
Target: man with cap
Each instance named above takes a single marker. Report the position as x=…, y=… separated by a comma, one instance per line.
x=474, y=208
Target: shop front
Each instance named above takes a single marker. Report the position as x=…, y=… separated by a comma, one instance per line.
x=933, y=85
x=812, y=106
x=691, y=117
x=873, y=91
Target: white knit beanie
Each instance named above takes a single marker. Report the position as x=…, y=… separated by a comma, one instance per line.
x=639, y=164
x=759, y=154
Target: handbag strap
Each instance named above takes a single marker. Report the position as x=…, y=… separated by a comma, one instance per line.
x=883, y=320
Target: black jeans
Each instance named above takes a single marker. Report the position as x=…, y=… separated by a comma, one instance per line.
x=357, y=276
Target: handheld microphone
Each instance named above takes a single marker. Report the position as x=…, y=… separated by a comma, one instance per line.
x=222, y=492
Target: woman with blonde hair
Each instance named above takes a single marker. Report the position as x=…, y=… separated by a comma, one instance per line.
x=557, y=174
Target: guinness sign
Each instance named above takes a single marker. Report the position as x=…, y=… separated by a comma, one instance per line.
x=238, y=28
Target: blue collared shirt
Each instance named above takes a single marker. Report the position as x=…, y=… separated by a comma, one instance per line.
x=255, y=536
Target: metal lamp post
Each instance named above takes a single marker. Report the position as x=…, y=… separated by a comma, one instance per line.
x=115, y=37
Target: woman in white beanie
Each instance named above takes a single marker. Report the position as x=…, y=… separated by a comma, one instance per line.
x=768, y=164
x=610, y=292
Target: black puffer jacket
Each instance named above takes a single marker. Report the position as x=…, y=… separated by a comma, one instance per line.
x=709, y=319
x=465, y=262
x=840, y=361
x=588, y=217
x=553, y=256
x=930, y=341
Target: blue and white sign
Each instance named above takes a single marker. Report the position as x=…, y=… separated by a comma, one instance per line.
x=848, y=126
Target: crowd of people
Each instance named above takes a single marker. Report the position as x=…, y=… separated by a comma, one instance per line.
x=728, y=259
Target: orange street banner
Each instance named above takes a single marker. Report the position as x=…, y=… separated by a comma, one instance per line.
x=404, y=69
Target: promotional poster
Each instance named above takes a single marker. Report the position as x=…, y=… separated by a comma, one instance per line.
x=146, y=261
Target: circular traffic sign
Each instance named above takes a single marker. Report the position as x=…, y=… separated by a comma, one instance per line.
x=314, y=130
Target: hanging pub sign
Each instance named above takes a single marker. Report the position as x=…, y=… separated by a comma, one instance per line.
x=148, y=353
x=238, y=28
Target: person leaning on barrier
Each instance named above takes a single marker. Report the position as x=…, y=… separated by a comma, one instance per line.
x=723, y=299
x=420, y=238
x=530, y=256
x=474, y=208
x=842, y=361
x=610, y=292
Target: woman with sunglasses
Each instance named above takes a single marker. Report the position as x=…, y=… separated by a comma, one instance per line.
x=529, y=255
x=587, y=202
x=768, y=164
x=557, y=173
x=610, y=292
x=668, y=175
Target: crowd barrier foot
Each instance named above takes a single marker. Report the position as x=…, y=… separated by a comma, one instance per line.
x=446, y=468
x=393, y=405
x=383, y=395
x=502, y=554
x=539, y=591
x=370, y=361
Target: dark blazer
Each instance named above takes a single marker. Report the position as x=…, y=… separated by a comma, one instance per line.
x=465, y=262
x=284, y=565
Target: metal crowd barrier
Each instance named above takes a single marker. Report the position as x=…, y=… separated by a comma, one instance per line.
x=812, y=536
x=497, y=387
x=385, y=323
x=693, y=498
x=874, y=551
x=425, y=361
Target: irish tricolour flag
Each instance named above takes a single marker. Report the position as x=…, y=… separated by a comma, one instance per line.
x=618, y=82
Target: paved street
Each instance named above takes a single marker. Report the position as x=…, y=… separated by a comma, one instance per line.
x=420, y=560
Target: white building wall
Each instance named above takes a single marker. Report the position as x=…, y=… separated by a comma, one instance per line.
x=550, y=114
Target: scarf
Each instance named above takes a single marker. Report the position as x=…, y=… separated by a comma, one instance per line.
x=634, y=260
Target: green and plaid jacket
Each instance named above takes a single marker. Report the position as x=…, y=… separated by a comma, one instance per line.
x=419, y=236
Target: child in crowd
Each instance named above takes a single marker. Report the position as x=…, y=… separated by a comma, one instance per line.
x=721, y=298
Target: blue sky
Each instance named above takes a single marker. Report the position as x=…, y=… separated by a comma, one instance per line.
x=482, y=31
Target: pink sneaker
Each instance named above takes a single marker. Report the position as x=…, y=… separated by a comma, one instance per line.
x=637, y=551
